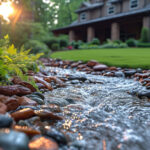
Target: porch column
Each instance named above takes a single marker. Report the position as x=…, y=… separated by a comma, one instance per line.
x=146, y=22
x=115, y=31
x=71, y=36
x=90, y=34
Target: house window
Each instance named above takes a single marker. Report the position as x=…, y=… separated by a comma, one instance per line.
x=111, y=10
x=133, y=4
x=83, y=16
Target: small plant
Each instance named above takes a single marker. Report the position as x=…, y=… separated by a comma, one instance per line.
x=55, y=46
x=131, y=42
x=95, y=41
x=145, y=35
x=15, y=62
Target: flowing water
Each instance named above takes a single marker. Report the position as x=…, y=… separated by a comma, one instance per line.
x=100, y=114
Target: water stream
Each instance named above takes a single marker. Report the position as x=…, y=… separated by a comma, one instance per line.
x=99, y=113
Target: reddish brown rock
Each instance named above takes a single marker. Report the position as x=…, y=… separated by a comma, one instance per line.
x=42, y=143
x=144, y=75
x=11, y=103
x=23, y=114
x=14, y=90
x=40, y=80
x=100, y=67
x=26, y=101
x=55, y=79
x=3, y=98
x=26, y=130
x=45, y=114
x=17, y=80
x=3, y=108
x=40, y=85
x=92, y=63
x=112, y=69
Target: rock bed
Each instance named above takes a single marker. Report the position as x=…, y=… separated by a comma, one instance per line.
x=76, y=108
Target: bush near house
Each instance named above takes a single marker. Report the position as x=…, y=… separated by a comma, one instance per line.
x=131, y=42
x=140, y=44
x=37, y=47
x=145, y=35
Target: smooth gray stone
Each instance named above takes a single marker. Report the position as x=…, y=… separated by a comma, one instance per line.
x=5, y=121
x=12, y=140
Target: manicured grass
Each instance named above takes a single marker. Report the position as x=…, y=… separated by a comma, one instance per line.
x=125, y=57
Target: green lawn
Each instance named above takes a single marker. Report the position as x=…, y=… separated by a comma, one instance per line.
x=125, y=57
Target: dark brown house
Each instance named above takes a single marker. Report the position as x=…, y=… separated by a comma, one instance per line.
x=108, y=19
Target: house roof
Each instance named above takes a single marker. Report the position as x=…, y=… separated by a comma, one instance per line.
x=89, y=6
x=120, y=15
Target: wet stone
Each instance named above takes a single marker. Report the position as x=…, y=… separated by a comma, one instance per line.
x=119, y=74
x=5, y=121
x=23, y=114
x=12, y=140
x=129, y=73
x=42, y=143
x=3, y=108
x=39, y=94
x=58, y=136
x=27, y=130
x=100, y=67
x=45, y=114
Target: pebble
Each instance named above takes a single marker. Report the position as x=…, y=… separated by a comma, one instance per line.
x=100, y=67
x=5, y=121
x=23, y=114
x=12, y=140
x=3, y=108
x=58, y=136
x=45, y=114
x=42, y=143
x=27, y=130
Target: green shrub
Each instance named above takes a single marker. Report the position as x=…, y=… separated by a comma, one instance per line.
x=118, y=41
x=75, y=44
x=15, y=62
x=37, y=47
x=49, y=42
x=131, y=42
x=55, y=46
x=63, y=43
x=143, y=44
x=95, y=41
x=145, y=35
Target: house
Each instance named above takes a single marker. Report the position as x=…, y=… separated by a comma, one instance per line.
x=108, y=19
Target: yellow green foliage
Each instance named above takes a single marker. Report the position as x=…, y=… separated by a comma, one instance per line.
x=16, y=62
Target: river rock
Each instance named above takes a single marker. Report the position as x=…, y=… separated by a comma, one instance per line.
x=119, y=74
x=58, y=101
x=39, y=94
x=144, y=94
x=3, y=108
x=45, y=114
x=11, y=103
x=129, y=73
x=12, y=140
x=27, y=130
x=37, y=100
x=100, y=67
x=14, y=90
x=26, y=101
x=58, y=136
x=92, y=63
x=42, y=143
x=23, y=114
x=5, y=121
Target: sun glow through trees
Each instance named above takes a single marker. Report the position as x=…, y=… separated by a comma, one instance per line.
x=6, y=10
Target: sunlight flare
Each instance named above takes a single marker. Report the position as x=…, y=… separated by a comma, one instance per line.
x=6, y=10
